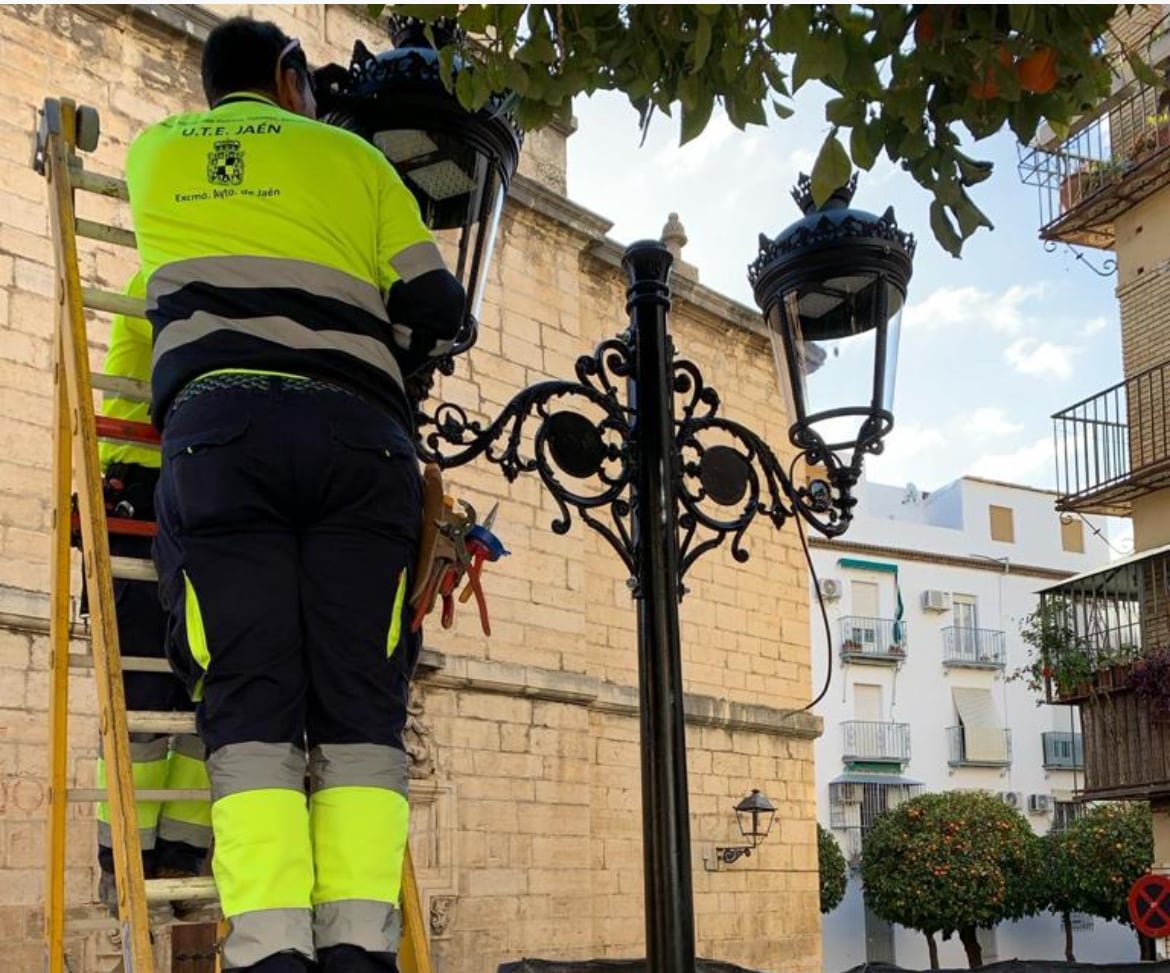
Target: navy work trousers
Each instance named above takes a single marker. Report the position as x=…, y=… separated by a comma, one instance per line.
x=291, y=514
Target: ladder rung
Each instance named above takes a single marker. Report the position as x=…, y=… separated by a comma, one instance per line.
x=95, y=182
x=150, y=721
x=123, y=526
x=130, y=663
x=104, y=233
x=201, y=888
x=126, y=430
x=124, y=388
x=88, y=795
x=133, y=569
x=99, y=300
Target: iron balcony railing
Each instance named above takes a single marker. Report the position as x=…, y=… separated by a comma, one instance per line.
x=873, y=639
x=1095, y=625
x=878, y=742
x=1114, y=446
x=973, y=648
x=1063, y=751
x=979, y=746
x=1110, y=161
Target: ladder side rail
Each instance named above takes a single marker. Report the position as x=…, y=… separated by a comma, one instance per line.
x=59, y=630
x=136, y=939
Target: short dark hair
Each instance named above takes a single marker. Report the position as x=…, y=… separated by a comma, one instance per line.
x=240, y=55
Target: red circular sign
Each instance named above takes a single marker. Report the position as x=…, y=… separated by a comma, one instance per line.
x=1149, y=905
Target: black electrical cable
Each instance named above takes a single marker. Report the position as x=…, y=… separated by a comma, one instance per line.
x=816, y=585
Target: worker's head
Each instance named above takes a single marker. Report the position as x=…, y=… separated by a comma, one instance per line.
x=242, y=54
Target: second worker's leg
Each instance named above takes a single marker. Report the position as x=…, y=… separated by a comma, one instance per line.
x=355, y=574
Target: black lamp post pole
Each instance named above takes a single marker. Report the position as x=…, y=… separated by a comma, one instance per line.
x=666, y=831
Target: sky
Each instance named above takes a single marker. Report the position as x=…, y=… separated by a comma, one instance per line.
x=992, y=344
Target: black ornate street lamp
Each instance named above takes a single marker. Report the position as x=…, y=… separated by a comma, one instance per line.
x=635, y=443
x=457, y=163
x=837, y=277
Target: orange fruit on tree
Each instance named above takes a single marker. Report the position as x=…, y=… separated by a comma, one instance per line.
x=1037, y=71
x=987, y=87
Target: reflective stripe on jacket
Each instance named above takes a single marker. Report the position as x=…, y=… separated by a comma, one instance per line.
x=270, y=241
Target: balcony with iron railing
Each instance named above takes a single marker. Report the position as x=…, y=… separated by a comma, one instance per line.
x=973, y=648
x=1109, y=162
x=1063, y=751
x=1095, y=625
x=879, y=641
x=872, y=742
x=979, y=746
x=1114, y=446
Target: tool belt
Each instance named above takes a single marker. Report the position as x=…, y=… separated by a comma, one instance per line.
x=453, y=547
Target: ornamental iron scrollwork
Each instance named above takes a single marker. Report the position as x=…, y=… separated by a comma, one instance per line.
x=580, y=438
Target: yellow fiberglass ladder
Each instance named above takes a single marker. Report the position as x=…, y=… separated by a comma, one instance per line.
x=64, y=130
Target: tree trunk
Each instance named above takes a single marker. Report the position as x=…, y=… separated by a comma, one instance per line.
x=1147, y=949
x=1066, y=922
x=970, y=943
x=932, y=947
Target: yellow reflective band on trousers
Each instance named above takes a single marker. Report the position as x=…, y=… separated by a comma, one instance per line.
x=147, y=774
x=193, y=621
x=263, y=859
x=187, y=821
x=359, y=840
x=395, y=634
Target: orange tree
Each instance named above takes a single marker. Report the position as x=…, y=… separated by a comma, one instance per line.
x=1105, y=852
x=950, y=863
x=917, y=83
x=831, y=863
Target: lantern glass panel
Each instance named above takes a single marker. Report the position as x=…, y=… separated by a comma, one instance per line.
x=835, y=344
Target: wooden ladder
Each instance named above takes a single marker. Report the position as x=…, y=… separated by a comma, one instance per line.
x=65, y=129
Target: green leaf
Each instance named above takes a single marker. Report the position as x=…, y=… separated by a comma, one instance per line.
x=944, y=232
x=972, y=171
x=969, y=216
x=465, y=88
x=695, y=118
x=863, y=154
x=782, y=110
x=702, y=46
x=790, y=27
x=831, y=170
x=1143, y=72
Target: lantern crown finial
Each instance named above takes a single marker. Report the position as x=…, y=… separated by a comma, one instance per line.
x=412, y=32
x=840, y=199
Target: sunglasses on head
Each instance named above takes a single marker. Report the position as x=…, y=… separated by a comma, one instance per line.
x=294, y=46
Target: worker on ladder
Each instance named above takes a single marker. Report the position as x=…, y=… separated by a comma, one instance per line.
x=175, y=835
x=288, y=271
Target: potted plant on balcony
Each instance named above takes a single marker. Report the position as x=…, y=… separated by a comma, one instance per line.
x=1154, y=135
x=851, y=645
x=1060, y=663
x=1087, y=178
x=1149, y=678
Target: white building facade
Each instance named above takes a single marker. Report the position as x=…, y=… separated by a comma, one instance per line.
x=925, y=597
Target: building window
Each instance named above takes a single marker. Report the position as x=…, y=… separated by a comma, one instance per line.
x=1064, y=813
x=1003, y=527
x=1072, y=535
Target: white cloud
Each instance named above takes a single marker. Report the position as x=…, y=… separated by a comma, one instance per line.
x=989, y=421
x=1032, y=465
x=801, y=160
x=687, y=161
x=1094, y=325
x=971, y=306
x=1029, y=356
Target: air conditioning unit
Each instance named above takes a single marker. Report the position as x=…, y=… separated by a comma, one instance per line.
x=936, y=601
x=830, y=588
x=1010, y=798
x=1039, y=803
